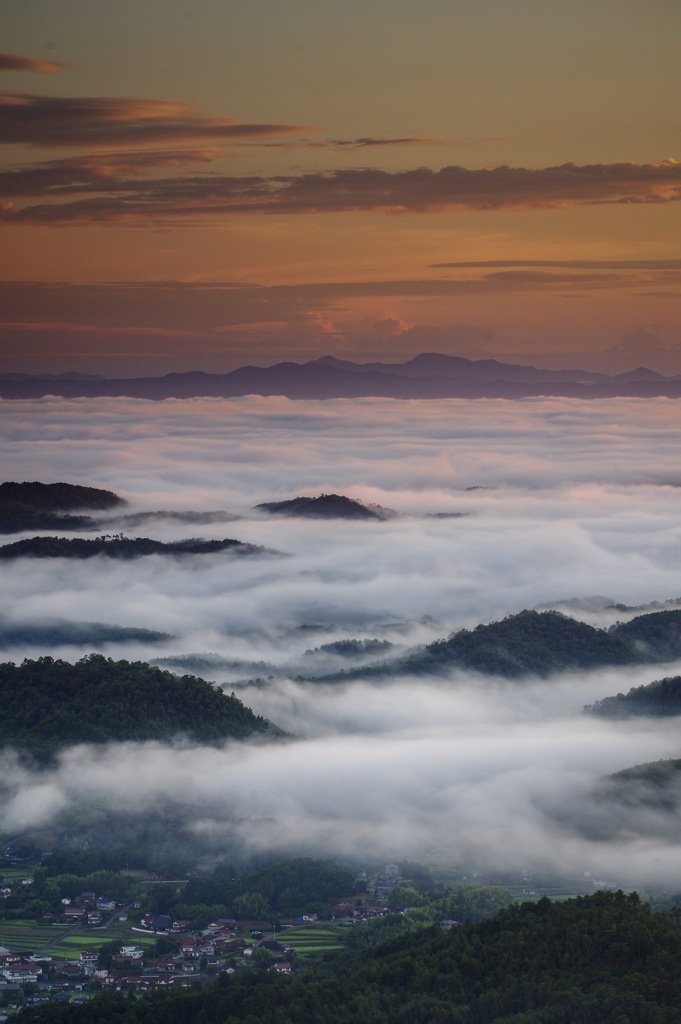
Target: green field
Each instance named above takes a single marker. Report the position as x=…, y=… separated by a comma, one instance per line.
x=13, y=874
x=27, y=935
x=310, y=942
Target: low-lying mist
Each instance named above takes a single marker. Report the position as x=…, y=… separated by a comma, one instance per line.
x=559, y=500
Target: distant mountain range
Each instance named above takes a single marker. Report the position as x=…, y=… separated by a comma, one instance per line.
x=429, y=375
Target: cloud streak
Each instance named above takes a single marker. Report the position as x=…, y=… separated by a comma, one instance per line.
x=103, y=121
x=369, y=190
x=22, y=62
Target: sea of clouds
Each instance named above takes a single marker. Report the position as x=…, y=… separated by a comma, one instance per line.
x=547, y=501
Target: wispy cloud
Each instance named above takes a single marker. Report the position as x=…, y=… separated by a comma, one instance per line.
x=103, y=121
x=22, y=62
x=566, y=264
x=422, y=190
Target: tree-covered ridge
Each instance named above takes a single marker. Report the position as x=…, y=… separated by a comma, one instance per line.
x=49, y=704
x=661, y=698
x=527, y=643
x=653, y=772
x=632, y=793
x=538, y=643
x=354, y=648
x=59, y=497
x=325, y=506
x=286, y=888
x=118, y=546
x=656, y=635
x=38, y=506
x=605, y=959
x=62, y=632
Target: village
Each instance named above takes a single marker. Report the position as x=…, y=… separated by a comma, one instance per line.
x=157, y=951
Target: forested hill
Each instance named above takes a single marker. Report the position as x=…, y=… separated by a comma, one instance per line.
x=49, y=704
x=118, y=546
x=539, y=643
x=33, y=505
x=661, y=698
x=325, y=506
x=605, y=959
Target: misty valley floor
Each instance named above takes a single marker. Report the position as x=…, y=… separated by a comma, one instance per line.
x=500, y=506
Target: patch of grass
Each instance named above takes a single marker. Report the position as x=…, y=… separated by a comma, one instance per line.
x=315, y=941
x=13, y=874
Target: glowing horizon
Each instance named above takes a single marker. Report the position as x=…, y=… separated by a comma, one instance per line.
x=367, y=182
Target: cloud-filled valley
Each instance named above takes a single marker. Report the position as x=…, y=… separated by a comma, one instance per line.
x=558, y=500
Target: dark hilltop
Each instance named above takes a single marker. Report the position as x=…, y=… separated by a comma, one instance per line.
x=326, y=506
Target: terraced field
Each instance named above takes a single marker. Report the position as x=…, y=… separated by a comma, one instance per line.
x=313, y=941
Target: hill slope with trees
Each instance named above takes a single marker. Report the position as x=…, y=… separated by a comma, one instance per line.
x=118, y=546
x=659, y=699
x=538, y=643
x=37, y=506
x=604, y=958
x=49, y=704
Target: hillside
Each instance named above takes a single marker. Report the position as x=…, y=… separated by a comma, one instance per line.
x=62, y=632
x=659, y=699
x=325, y=506
x=604, y=958
x=537, y=643
x=38, y=506
x=120, y=547
x=49, y=704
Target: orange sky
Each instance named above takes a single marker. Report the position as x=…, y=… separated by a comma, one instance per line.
x=201, y=185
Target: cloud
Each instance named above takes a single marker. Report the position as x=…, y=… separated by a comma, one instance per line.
x=583, y=500
x=644, y=341
x=97, y=122
x=566, y=264
x=20, y=62
x=93, y=170
x=422, y=190
x=369, y=143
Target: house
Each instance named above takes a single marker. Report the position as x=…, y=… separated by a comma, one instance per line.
x=273, y=947
x=74, y=913
x=282, y=967
x=156, y=922
x=105, y=903
x=123, y=982
x=131, y=953
x=180, y=926
x=21, y=973
x=88, y=957
x=72, y=971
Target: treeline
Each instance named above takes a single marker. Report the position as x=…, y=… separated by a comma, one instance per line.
x=119, y=546
x=661, y=698
x=537, y=643
x=48, y=704
x=286, y=888
x=38, y=506
x=605, y=958
x=61, y=632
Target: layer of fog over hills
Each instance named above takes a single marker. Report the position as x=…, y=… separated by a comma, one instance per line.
x=501, y=507
x=430, y=375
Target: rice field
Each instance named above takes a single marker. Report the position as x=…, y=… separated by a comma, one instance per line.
x=310, y=942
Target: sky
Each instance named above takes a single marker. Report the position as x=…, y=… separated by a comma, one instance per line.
x=204, y=185
x=499, y=506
